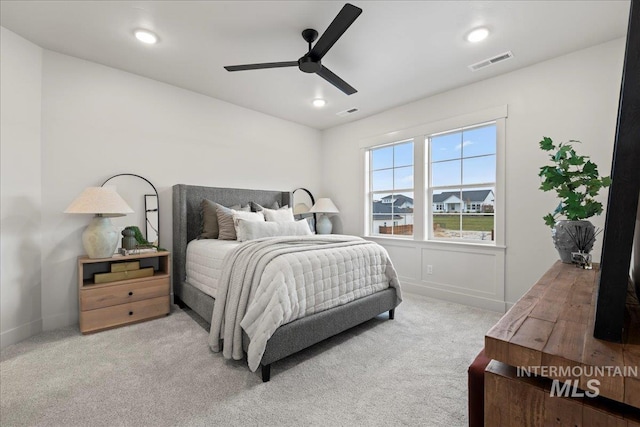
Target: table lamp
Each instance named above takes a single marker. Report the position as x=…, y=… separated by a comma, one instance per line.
x=100, y=238
x=324, y=206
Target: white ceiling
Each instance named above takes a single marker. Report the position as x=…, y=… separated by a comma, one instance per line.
x=395, y=52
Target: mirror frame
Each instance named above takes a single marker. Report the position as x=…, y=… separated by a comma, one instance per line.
x=146, y=214
x=305, y=214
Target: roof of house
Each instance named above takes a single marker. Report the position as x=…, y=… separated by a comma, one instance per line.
x=386, y=208
x=469, y=196
x=398, y=199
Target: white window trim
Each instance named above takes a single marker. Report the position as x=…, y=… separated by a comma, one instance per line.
x=369, y=193
x=422, y=222
x=429, y=189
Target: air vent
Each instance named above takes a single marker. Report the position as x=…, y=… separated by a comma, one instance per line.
x=491, y=61
x=347, y=112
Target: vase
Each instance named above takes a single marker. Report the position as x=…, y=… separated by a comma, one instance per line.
x=573, y=236
x=129, y=240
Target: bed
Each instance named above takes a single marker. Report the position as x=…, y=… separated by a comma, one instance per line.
x=290, y=337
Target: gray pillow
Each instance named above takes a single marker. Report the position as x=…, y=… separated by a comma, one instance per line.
x=257, y=208
x=210, y=229
x=227, y=230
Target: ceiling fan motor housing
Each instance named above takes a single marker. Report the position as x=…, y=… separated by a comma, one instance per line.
x=309, y=65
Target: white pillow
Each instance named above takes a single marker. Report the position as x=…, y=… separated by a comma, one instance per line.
x=279, y=215
x=248, y=230
x=249, y=216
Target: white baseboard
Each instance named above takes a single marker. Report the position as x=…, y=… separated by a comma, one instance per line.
x=474, y=301
x=59, y=320
x=20, y=333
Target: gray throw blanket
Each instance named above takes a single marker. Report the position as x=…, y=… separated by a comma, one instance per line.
x=266, y=283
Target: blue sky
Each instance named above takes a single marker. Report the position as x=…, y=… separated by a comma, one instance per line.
x=458, y=158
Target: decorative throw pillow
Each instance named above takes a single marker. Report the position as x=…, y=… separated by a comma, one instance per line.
x=279, y=215
x=248, y=230
x=257, y=208
x=210, y=218
x=226, y=227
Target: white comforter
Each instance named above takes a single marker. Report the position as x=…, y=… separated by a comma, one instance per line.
x=266, y=283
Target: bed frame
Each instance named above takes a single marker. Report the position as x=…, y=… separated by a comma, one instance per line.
x=289, y=338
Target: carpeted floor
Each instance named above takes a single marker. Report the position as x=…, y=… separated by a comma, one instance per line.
x=408, y=371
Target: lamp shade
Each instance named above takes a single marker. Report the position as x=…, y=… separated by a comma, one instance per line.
x=99, y=200
x=324, y=205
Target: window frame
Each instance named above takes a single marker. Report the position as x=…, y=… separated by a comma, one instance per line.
x=371, y=193
x=418, y=133
x=429, y=211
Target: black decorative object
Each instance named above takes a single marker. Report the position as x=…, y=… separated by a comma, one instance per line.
x=623, y=195
x=311, y=61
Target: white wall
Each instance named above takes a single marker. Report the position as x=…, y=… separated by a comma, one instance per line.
x=98, y=121
x=20, y=188
x=570, y=97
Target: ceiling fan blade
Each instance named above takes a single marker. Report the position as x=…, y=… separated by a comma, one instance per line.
x=261, y=66
x=329, y=76
x=338, y=26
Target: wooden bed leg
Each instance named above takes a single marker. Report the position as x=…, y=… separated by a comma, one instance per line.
x=266, y=373
x=392, y=314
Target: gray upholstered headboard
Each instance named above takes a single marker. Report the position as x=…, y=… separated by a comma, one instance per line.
x=187, y=221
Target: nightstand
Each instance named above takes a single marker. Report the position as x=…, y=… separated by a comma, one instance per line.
x=124, y=301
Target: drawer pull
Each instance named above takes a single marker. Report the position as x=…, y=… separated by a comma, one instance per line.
x=131, y=313
x=130, y=293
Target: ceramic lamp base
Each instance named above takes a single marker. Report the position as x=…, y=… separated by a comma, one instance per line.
x=100, y=238
x=324, y=226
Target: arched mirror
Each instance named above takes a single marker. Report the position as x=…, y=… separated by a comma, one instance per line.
x=302, y=201
x=142, y=196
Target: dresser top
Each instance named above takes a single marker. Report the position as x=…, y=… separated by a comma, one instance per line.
x=550, y=332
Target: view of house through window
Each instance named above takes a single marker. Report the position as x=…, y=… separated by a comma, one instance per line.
x=462, y=177
x=391, y=189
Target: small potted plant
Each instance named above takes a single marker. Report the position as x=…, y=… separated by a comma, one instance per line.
x=576, y=181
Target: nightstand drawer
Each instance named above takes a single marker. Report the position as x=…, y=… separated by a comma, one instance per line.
x=92, y=299
x=108, y=317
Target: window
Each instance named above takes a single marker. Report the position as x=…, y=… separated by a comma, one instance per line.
x=442, y=181
x=391, y=189
x=462, y=183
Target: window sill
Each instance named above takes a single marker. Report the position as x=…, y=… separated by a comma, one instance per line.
x=454, y=243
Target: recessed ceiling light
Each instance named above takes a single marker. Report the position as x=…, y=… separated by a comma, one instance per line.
x=477, y=35
x=319, y=102
x=146, y=36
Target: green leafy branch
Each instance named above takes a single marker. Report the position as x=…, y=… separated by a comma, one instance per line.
x=140, y=240
x=574, y=178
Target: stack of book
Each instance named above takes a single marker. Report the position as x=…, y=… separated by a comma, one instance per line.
x=137, y=251
x=123, y=271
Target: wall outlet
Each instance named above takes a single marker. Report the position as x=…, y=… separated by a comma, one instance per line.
x=429, y=269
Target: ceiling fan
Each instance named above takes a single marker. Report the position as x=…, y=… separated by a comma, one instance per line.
x=311, y=61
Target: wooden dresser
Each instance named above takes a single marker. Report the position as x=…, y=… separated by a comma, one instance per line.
x=550, y=332
x=116, y=303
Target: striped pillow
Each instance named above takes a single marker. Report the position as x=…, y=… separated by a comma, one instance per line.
x=227, y=230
